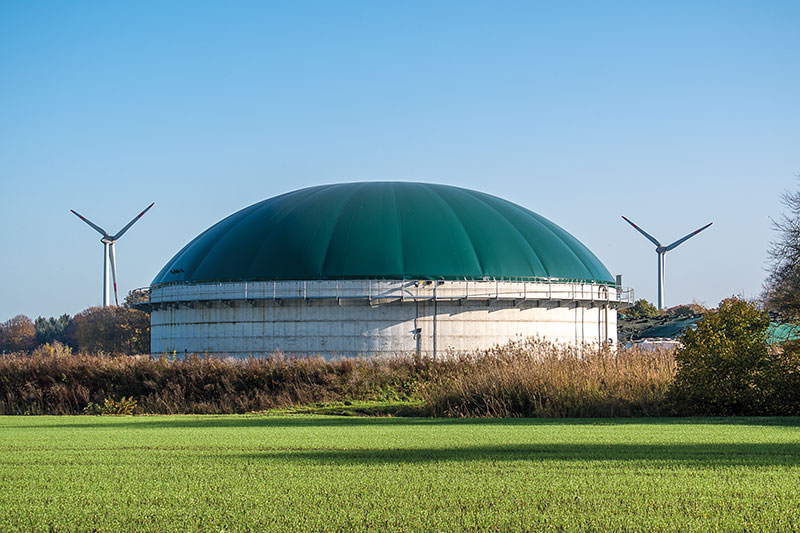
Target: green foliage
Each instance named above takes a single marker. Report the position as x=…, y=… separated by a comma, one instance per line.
x=642, y=308
x=682, y=310
x=123, y=406
x=52, y=329
x=323, y=473
x=725, y=366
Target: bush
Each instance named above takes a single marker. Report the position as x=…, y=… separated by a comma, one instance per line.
x=56, y=349
x=642, y=309
x=725, y=366
x=124, y=406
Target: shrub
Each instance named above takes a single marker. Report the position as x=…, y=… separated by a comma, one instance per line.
x=124, y=406
x=56, y=349
x=641, y=309
x=725, y=366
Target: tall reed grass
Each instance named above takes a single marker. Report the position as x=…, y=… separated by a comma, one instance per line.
x=536, y=379
x=526, y=378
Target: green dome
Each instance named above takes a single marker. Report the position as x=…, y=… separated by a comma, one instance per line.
x=383, y=230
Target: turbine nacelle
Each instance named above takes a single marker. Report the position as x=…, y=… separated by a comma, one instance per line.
x=108, y=252
x=662, y=250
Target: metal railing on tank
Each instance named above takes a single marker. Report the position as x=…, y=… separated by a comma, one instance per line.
x=536, y=289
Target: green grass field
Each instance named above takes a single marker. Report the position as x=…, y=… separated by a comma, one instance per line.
x=314, y=472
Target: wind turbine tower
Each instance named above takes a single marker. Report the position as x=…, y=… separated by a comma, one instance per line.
x=108, y=253
x=662, y=250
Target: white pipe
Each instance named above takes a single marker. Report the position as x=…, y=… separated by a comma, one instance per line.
x=434, y=322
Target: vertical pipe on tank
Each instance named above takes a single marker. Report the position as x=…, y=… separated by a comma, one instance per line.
x=417, y=330
x=434, y=322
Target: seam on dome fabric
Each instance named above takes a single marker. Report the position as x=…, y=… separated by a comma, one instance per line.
x=307, y=255
x=435, y=192
x=514, y=228
x=574, y=245
x=338, y=217
x=223, y=231
x=558, y=237
x=288, y=210
x=258, y=207
x=401, y=243
x=489, y=199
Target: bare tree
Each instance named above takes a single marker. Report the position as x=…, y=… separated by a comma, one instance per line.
x=782, y=287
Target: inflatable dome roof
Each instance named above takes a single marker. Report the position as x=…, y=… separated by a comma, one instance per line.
x=383, y=230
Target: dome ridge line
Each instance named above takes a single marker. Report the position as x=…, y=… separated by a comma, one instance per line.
x=434, y=190
x=480, y=198
x=358, y=188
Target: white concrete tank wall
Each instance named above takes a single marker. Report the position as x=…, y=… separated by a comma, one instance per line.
x=351, y=318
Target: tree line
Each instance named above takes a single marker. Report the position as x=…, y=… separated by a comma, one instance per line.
x=112, y=330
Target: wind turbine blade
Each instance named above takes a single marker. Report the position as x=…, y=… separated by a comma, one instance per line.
x=92, y=224
x=137, y=217
x=681, y=240
x=113, y=271
x=643, y=232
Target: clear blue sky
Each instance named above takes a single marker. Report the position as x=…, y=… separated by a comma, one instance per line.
x=671, y=113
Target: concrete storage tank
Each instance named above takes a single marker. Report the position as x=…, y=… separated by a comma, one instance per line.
x=381, y=267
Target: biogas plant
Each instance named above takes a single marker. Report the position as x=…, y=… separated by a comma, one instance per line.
x=380, y=268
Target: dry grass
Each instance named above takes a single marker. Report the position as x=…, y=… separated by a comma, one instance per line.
x=535, y=379
x=528, y=378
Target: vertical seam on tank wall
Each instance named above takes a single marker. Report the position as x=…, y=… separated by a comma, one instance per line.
x=461, y=226
x=516, y=229
x=338, y=219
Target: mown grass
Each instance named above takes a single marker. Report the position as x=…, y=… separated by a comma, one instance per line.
x=325, y=473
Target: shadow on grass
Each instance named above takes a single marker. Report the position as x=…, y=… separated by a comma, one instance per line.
x=701, y=455
x=302, y=420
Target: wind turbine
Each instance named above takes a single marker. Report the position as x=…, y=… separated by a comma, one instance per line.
x=108, y=252
x=662, y=250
